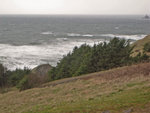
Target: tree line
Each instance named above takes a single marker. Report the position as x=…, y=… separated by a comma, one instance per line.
x=103, y=56
x=82, y=60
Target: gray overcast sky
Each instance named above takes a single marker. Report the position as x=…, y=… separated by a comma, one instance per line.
x=74, y=6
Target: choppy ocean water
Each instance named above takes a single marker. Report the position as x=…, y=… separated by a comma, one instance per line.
x=28, y=41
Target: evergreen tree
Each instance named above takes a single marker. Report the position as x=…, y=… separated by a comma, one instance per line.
x=103, y=56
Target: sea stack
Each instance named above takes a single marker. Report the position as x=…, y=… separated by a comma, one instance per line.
x=147, y=17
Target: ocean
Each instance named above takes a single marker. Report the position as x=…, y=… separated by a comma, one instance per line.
x=32, y=40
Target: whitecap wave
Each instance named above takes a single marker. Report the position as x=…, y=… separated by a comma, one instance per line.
x=62, y=39
x=47, y=33
x=79, y=35
x=30, y=56
x=87, y=35
x=132, y=37
x=73, y=34
x=116, y=28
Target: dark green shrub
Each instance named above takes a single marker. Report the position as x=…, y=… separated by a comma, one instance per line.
x=31, y=80
x=23, y=84
x=3, y=78
x=140, y=57
x=147, y=47
x=17, y=75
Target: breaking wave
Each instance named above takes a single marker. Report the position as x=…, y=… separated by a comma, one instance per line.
x=133, y=37
x=30, y=56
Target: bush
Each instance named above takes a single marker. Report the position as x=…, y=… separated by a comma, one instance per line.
x=23, y=84
x=17, y=75
x=3, y=78
x=147, y=47
x=140, y=57
x=31, y=80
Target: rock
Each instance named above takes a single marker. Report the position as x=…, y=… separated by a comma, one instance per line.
x=106, y=112
x=42, y=70
x=38, y=76
x=128, y=111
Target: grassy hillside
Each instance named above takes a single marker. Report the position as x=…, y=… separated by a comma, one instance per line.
x=140, y=44
x=116, y=90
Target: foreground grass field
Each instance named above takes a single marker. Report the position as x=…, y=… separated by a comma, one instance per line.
x=117, y=91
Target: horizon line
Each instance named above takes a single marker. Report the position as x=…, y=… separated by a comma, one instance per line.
x=82, y=14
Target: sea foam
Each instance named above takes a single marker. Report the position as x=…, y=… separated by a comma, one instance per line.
x=133, y=37
x=30, y=56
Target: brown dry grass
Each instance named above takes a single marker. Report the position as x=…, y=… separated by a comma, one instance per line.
x=72, y=90
x=119, y=74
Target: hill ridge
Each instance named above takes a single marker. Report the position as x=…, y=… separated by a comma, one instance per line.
x=99, y=74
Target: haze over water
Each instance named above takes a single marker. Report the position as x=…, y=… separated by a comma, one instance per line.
x=28, y=41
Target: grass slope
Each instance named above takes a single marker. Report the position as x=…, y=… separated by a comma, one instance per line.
x=115, y=90
x=140, y=44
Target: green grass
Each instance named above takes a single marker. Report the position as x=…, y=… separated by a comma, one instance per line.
x=113, y=90
x=56, y=90
x=132, y=84
x=116, y=101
